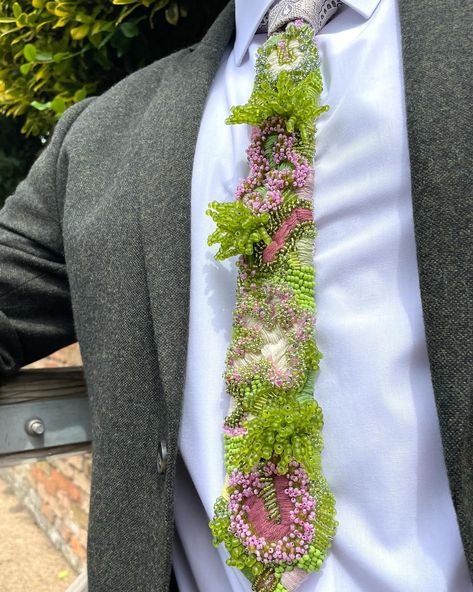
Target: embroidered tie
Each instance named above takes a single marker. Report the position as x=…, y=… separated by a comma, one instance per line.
x=276, y=514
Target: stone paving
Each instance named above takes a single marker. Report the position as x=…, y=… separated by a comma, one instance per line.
x=29, y=562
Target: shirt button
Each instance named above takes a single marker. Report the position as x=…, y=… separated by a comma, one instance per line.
x=162, y=460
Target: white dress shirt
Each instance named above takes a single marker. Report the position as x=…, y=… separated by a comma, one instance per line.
x=383, y=456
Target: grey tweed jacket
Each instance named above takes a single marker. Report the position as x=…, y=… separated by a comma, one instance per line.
x=95, y=247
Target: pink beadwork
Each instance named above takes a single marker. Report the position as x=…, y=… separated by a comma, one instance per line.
x=287, y=540
x=262, y=189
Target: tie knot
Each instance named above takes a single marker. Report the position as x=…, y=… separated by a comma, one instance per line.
x=315, y=12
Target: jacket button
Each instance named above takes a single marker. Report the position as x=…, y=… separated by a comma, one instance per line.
x=162, y=459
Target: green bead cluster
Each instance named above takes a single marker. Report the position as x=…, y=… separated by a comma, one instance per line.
x=312, y=561
x=267, y=581
x=325, y=523
x=312, y=355
x=269, y=498
x=247, y=339
x=295, y=102
x=220, y=523
x=252, y=397
x=302, y=279
x=259, y=398
x=306, y=147
x=289, y=430
x=238, y=228
x=235, y=418
x=232, y=446
x=238, y=555
x=240, y=559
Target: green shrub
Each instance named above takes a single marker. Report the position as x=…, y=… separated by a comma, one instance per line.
x=55, y=53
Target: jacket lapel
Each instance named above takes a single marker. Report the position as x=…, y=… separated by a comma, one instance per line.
x=436, y=71
x=167, y=145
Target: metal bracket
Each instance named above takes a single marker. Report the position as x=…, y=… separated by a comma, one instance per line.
x=42, y=413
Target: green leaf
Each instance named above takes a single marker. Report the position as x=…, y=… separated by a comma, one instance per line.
x=58, y=105
x=172, y=13
x=100, y=26
x=61, y=9
x=95, y=40
x=79, y=32
x=161, y=4
x=25, y=68
x=40, y=106
x=129, y=29
x=17, y=10
x=44, y=56
x=22, y=20
x=29, y=51
x=60, y=55
x=79, y=95
x=84, y=18
x=62, y=22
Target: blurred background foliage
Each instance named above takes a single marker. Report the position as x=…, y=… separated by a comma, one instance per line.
x=55, y=53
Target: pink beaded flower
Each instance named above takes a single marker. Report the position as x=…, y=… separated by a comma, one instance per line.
x=272, y=515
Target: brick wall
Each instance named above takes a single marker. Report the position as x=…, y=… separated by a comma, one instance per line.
x=57, y=491
x=68, y=356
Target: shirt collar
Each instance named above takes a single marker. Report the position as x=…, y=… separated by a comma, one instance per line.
x=249, y=13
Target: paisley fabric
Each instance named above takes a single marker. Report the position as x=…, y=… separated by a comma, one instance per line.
x=315, y=12
x=276, y=514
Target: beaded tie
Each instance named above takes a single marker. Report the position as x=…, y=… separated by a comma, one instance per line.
x=276, y=513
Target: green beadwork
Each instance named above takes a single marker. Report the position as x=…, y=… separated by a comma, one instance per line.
x=237, y=228
x=301, y=47
x=272, y=360
x=295, y=102
x=287, y=429
x=232, y=445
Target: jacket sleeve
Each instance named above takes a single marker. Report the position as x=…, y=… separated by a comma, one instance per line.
x=35, y=307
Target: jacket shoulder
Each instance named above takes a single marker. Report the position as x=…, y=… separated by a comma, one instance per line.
x=121, y=107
